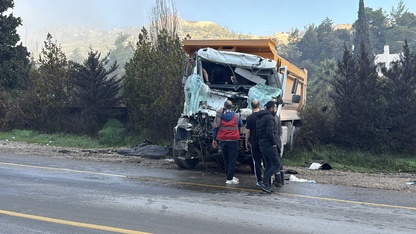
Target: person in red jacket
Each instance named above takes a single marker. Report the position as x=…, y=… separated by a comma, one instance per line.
x=226, y=131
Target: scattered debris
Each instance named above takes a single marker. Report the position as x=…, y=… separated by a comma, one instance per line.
x=318, y=166
x=296, y=179
x=147, y=149
x=290, y=171
x=411, y=183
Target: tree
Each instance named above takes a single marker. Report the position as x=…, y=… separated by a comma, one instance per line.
x=96, y=91
x=52, y=86
x=358, y=103
x=378, y=26
x=164, y=16
x=76, y=56
x=290, y=51
x=309, y=45
x=397, y=14
x=122, y=52
x=153, y=87
x=14, y=59
x=137, y=86
x=320, y=88
x=401, y=109
x=362, y=34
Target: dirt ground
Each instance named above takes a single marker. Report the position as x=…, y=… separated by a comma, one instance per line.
x=396, y=181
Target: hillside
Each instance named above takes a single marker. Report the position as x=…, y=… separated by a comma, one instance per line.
x=72, y=38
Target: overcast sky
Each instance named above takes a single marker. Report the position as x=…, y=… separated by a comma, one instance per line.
x=258, y=17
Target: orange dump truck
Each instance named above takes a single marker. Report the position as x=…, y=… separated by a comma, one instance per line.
x=239, y=70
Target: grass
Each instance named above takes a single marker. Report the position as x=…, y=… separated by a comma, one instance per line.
x=352, y=160
x=63, y=140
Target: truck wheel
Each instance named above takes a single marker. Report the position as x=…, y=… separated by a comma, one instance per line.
x=179, y=158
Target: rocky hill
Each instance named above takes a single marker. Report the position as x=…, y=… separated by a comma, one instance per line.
x=72, y=38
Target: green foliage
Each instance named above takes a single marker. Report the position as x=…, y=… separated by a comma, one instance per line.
x=320, y=87
x=358, y=103
x=362, y=33
x=64, y=140
x=19, y=109
x=378, y=26
x=317, y=126
x=401, y=110
x=51, y=83
x=152, y=87
x=96, y=91
x=113, y=133
x=351, y=160
x=14, y=59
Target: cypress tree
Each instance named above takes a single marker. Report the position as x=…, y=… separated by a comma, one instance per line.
x=362, y=33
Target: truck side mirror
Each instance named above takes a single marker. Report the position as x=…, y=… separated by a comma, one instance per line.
x=295, y=86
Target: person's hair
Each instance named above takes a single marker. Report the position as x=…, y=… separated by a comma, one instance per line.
x=270, y=104
x=228, y=104
x=255, y=104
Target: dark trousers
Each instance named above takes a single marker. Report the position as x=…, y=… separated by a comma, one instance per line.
x=230, y=153
x=257, y=158
x=272, y=161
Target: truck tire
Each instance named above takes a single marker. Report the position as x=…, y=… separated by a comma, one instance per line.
x=179, y=158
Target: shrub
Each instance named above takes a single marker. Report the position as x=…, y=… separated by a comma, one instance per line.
x=113, y=133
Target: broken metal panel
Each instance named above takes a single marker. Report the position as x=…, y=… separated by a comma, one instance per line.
x=250, y=76
x=236, y=59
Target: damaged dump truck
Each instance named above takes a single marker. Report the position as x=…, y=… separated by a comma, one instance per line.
x=241, y=71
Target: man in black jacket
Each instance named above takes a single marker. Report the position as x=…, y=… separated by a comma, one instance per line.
x=269, y=142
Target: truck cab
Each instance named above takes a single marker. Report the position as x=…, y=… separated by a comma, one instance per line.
x=211, y=76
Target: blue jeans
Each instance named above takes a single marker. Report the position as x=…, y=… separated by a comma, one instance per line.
x=230, y=153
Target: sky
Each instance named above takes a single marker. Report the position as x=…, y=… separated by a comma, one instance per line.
x=257, y=17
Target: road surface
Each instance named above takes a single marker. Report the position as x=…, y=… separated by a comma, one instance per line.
x=49, y=195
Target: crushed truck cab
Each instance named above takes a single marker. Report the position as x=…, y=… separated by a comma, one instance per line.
x=211, y=76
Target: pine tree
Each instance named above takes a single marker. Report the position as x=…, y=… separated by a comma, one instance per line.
x=52, y=86
x=14, y=59
x=96, y=91
x=137, y=86
x=401, y=92
x=359, y=104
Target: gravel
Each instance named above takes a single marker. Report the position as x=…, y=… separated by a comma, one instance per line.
x=386, y=181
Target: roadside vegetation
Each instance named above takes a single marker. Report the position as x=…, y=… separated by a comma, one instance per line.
x=352, y=160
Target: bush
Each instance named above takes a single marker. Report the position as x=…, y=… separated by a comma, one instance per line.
x=113, y=133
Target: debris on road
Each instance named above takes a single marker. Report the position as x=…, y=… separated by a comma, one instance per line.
x=148, y=150
x=318, y=166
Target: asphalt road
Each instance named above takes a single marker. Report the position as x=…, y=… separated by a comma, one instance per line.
x=49, y=195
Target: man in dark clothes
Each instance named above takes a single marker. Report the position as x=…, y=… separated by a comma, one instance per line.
x=227, y=125
x=252, y=140
x=269, y=142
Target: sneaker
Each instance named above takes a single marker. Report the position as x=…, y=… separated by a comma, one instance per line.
x=235, y=178
x=257, y=184
x=264, y=187
x=233, y=181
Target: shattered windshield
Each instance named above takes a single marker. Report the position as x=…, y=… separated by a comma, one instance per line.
x=218, y=76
